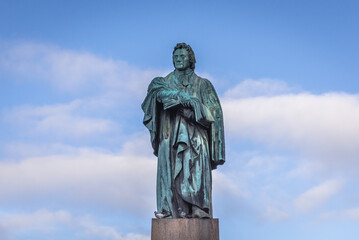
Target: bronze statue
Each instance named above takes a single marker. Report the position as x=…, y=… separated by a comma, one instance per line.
x=185, y=120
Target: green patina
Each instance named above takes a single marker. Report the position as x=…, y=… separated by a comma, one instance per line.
x=185, y=120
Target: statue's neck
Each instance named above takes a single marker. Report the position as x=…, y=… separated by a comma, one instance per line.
x=187, y=72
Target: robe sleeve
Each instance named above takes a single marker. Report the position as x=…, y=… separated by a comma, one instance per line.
x=216, y=129
x=159, y=97
x=150, y=108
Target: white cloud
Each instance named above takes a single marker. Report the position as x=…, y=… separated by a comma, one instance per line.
x=40, y=220
x=124, y=181
x=305, y=170
x=73, y=119
x=324, y=127
x=21, y=150
x=274, y=214
x=45, y=222
x=225, y=186
x=92, y=229
x=351, y=213
x=74, y=71
x=317, y=136
x=109, y=88
x=317, y=195
x=262, y=87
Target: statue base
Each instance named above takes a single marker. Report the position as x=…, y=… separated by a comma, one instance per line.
x=182, y=228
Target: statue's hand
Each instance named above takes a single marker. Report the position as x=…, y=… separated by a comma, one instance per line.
x=194, y=102
x=187, y=113
x=185, y=100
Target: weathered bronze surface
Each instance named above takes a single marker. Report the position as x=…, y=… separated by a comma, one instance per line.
x=185, y=120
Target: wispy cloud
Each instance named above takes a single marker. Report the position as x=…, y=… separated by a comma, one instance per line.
x=318, y=195
x=274, y=214
x=62, y=120
x=313, y=136
x=45, y=222
x=125, y=181
x=225, y=186
x=350, y=213
x=322, y=127
x=73, y=71
x=265, y=87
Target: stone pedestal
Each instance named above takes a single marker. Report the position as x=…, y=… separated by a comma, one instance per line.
x=185, y=229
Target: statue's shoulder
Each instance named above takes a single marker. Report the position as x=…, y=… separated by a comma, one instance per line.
x=169, y=76
x=204, y=82
x=163, y=79
x=157, y=79
x=159, y=82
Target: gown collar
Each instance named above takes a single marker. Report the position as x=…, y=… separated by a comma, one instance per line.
x=184, y=77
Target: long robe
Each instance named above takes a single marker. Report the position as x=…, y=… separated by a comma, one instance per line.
x=187, y=148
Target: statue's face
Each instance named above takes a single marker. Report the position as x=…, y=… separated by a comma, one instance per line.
x=181, y=59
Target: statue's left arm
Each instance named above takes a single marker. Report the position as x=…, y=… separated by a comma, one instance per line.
x=216, y=130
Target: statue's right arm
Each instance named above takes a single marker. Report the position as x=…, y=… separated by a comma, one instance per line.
x=166, y=95
x=163, y=93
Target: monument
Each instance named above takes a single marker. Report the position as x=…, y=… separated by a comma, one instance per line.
x=184, y=117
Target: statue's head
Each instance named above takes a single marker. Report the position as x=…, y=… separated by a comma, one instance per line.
x=183, y=57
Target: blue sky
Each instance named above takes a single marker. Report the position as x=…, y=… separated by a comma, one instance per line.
x=75, y=159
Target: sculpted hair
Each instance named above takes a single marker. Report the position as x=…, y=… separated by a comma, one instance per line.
x=192, y=58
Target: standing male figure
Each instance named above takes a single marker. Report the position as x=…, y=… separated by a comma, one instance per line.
x=185, y=120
